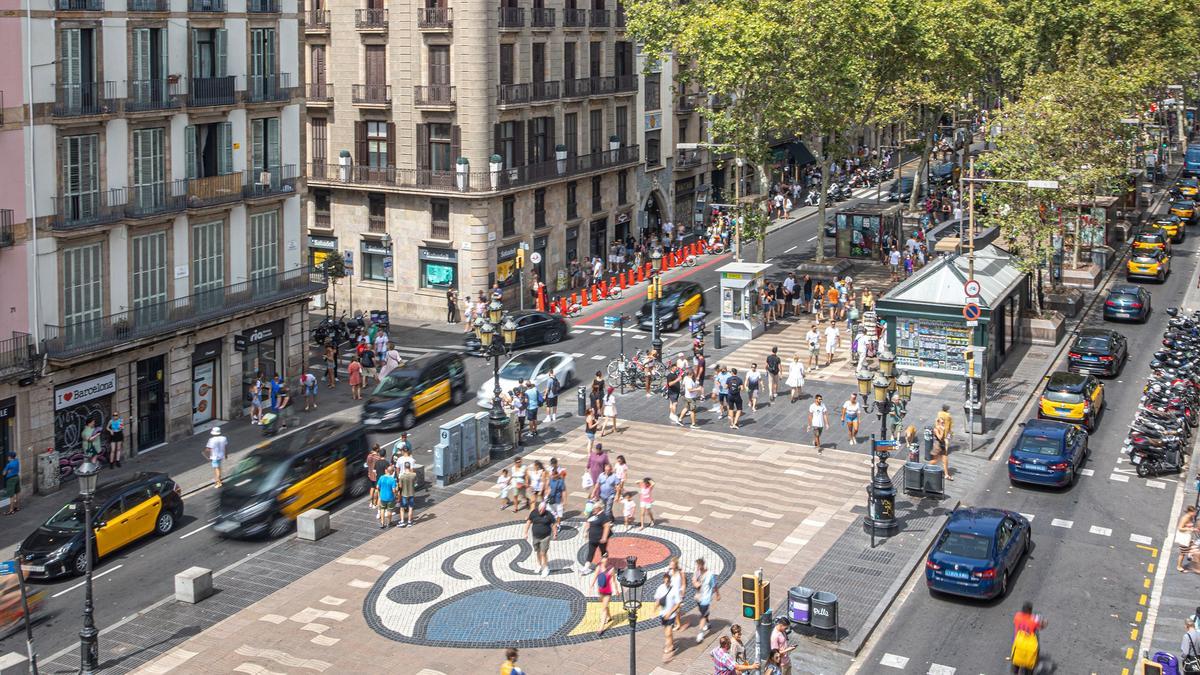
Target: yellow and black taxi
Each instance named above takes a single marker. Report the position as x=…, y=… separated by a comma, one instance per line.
x=1186, y=187
x=1185, y=209
x=414, y=389
x=126, y=510
x=1072, y=397
x=1148, y=264
x=1147, y=239
x=1171, y=225
x=286, y=476
x=680, y=300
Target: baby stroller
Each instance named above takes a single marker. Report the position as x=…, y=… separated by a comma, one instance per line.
x=269, y=423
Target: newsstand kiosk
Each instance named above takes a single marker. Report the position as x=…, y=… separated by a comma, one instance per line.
x=741, y=313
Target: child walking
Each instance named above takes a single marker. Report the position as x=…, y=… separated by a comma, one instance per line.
x=647, y=499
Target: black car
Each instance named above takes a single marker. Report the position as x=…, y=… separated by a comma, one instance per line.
x=533, y=328
x=942, y=173
x=1127, y=301
x=1098, y=351
x=680, y=300
x=127, y=510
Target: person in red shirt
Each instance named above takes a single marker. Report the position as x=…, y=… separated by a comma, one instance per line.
x=1025, y=621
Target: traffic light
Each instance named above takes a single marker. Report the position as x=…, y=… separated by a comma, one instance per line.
x=520, y=258
x=756, y=596
x=969, y=357
x=654, y=290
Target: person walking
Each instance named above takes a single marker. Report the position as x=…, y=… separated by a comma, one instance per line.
x=286, y=407
x=214, y=451
x=599, y=527
x=607, y=488
x=451, y=306
x=774, y=365
x=1189, y=646
x=590, y=426
x=116, y=439
x=276, y=385
x=948, y=421
x=605, y=582
x=674, y=384
x=692, y=393
x=12, y=483
x=553, y=388
x=705, y=583
x=308, y=384
x=330, y=359
x=408, y=494
x=610, y=412
x=850, y=411
x=779, y=644
x=817, y=419
x=520, y=478
x=556, y=491
x=256, y=403
x=90, y=437
x=369, y=370
x=376, y=464
x=646, y=499
x=540, y=527
x=724, y=660
x=533, y=399
x=754, y=380
x=939, y=455
x=356, y=378
x=668, y=599
x=510, y=667
x=795, y=378
x=387, y=496
x=391, y=360
x=1185, y=537
x=722, y=384
x=813, y=338
x=832, y=339
x=733, y=388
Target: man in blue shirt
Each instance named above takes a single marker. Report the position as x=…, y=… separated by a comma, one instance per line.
x=531, y=410
x=12, y=482
x=557, y=488
x=606, y=488
x=387, y=496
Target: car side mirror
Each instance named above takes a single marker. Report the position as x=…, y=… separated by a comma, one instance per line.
x=99, y=524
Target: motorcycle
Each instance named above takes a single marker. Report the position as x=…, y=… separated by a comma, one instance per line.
x=1152, y=464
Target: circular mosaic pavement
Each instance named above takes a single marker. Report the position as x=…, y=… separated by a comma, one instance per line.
x=480, y=589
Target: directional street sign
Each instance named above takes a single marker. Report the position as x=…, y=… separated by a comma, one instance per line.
x=971, y=311
x=8, y=567
x=971, y=288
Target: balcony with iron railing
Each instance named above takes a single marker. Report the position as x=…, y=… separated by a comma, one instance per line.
x=614, y=84
x=527, y=92
x=214, y=190
x=542, y=17
x=686, y=160
x=18, y=355
x=191, y=311
x=371, y=94
x=600, y=18
x=316, y=21
x=686, y=104
x=580, y=86
x=376, y=222
x=512, y=17
x=434, y=18
x=262, y=6
x=148, y=95
x=7, y=236
x=145, y=201
x=474, y=181
x=269, y=88
x=276, y=180
x=149, y=5
x=79, y=5
x=86, y=99
x=211, y=91
x=619, y=17
x=371, y=19
x=88, y=209
x=321, y=219
x=434, y=96
x=574, y=18
x=320, y=93
x=206, y=6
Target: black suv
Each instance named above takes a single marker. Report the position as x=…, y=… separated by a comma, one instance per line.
x=1098, y=351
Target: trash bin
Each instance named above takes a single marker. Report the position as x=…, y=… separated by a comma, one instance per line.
x=717, y=335
x=912, y=476
x=824, y=610
x=932, y=479
x=928, y=443
x=799, y=609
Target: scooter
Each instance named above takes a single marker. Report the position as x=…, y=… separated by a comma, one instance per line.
x=1156, y=464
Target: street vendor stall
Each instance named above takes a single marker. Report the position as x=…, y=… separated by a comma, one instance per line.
x=741, y=314
x=864, y=228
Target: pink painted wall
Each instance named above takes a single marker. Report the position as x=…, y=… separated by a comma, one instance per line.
x=14, y=300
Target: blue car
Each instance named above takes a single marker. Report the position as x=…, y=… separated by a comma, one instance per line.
x=977, y=552
x=1048, y=453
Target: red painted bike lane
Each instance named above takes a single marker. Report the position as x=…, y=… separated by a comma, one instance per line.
x=604, y=307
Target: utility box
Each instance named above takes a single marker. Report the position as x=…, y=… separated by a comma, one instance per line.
x=48, y=475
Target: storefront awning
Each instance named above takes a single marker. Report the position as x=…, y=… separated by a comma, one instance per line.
x=941, y=282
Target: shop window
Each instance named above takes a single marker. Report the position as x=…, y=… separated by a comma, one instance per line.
x=373, y=254
x=509, y=218
x=439, y=218
x=539, y=208
x=572, y=200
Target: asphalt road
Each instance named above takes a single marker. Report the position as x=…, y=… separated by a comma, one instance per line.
x=141, y=575
x=1095, y=544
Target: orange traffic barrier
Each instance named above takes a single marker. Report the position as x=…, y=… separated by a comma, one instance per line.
x=574, y=299
x=623, y=286
x=584, y=297
x=641, y=274
x=603, y=289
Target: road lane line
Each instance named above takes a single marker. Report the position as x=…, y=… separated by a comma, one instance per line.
x=1141, y=539
x=198, y=529
x=598, y=357
x=791, y=249
x=1102, y=531
x=1087, y=472
x=1156, y=484
x=1119, y=477
x=1059, y=522
x=939, y=669
x=94, y=577
x=893, y=661
x=812, y=238
x=1028, y=516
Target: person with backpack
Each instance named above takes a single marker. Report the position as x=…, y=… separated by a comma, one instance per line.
x=1189, y=647
x=552, y=390
x=1026, y=625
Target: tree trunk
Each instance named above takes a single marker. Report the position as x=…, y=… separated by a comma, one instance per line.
x=763, y=189
x=820, y=258
x=923, y=165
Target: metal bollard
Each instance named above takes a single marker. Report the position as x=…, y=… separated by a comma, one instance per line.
x=717, y=336
x=581, y=402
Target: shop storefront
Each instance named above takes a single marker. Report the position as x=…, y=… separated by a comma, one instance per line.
x=598, y=238
x=541, y=246
x=78, y=402
x=438, y=268
x=506, y=264
x=320, y=248
x=685, y=198
x=206, y=373
x=8, y=426
x=923, y=315
x=622, y=233
x=151, y=423
x=862, y=231
x=262, y=355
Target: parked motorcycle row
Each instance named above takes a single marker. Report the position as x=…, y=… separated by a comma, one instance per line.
x=340, y=330
x=1160, y=437
x=842, y=188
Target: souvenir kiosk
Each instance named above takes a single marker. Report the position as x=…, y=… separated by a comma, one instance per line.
x=741, y=314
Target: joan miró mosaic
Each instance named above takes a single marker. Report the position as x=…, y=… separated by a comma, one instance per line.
x=480, y=589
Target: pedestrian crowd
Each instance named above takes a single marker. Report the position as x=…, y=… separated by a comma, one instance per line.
x=393, y=482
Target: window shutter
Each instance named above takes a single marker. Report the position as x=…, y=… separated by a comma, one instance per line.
x=221, y=37
x=422, y=146
x=273, y=159
x=531, y=153
x=256, y=146
x=455, y=144
x=497, y=148
x=360, y=143
x=141, y=61
x=518, y=144
x=189, y=143
x=195, y=56
x=391, y=145
x=550, y=142
x=225, y=145
x=71, y=59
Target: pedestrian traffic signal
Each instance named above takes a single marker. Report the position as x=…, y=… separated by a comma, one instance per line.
x=756, y=596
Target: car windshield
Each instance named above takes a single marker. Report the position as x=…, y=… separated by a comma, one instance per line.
x=1150, y=239
x=965, y=545
x=256, y=473
x=1122, y=298
x=1145, y=258
x=69, y=517
x=520, y=368
x=1184, y=206
x=397, y=385
x=1095, y=343
x=1039, y=445
x=1062, y=396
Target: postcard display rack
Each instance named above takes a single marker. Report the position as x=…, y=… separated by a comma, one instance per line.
x=929, y=344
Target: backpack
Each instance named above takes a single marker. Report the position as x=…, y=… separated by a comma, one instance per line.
x=1168, y=661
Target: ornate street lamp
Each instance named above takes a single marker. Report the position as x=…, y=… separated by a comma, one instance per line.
x=888, y=394
x=489, y=345
x=388, y=272
x=632, y=580
x=656, y=263
x=89, y=645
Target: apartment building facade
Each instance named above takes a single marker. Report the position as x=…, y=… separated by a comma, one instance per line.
x=443, y=137
x=164, y=262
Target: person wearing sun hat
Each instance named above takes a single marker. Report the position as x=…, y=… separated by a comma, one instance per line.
x=214, y=450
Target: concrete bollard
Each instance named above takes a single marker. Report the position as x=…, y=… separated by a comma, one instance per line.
x=14, y=664
x=312, y=525
x=193, y=585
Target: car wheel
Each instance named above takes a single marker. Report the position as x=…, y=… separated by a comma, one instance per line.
x=408, y=420
x=1003, y=584
x=359, y=486
x=456, y=396
x=165, y=523
x=279, y=527
x=80, y=564
x=553, y=336
x=1028, y=545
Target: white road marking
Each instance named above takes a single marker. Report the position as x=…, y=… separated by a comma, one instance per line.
x=1140, y=539
x=598, y=357
x=1102, y=531
x=198, y=529
x=577, y=354
x=578, y=331
x=939, y=669
x=1087, y=472
x=597, y=332
x=1028, y=516
x=1059, y=522
x=811, y=238
x=768, y=261
x=94, y=577
x=639, y=336
x=790, y=249
x=893, y=661
x=710, y=288
x=1119, y=477
x=1156, y=484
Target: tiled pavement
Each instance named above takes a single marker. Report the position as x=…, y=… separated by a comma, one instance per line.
x=773, y=505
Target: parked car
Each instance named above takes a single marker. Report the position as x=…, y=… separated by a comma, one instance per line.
x=1185, y=209
x=1170, y=225
x=1098, y=351
x=680, y=300
x=902, y=189
x=416, y=388
x=1127, y=301
x=1148, y=239
x=534, y=366
x=1072, y=397
x=127, y=510
x=1048, y=453
x=1150, y=264
x=533, y=328
x=977, y=552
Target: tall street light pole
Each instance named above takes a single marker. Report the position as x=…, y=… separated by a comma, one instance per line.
x=389, y=263
x=632, y=580
x=89, y=646
x=655, y=293
x=890, y=394
x=485, y=329
x=737, y=210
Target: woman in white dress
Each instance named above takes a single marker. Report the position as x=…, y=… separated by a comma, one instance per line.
x=795, y=378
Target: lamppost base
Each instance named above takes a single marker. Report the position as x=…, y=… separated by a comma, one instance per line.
x=885, y=527
x=89, y=650
x=499, y=448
